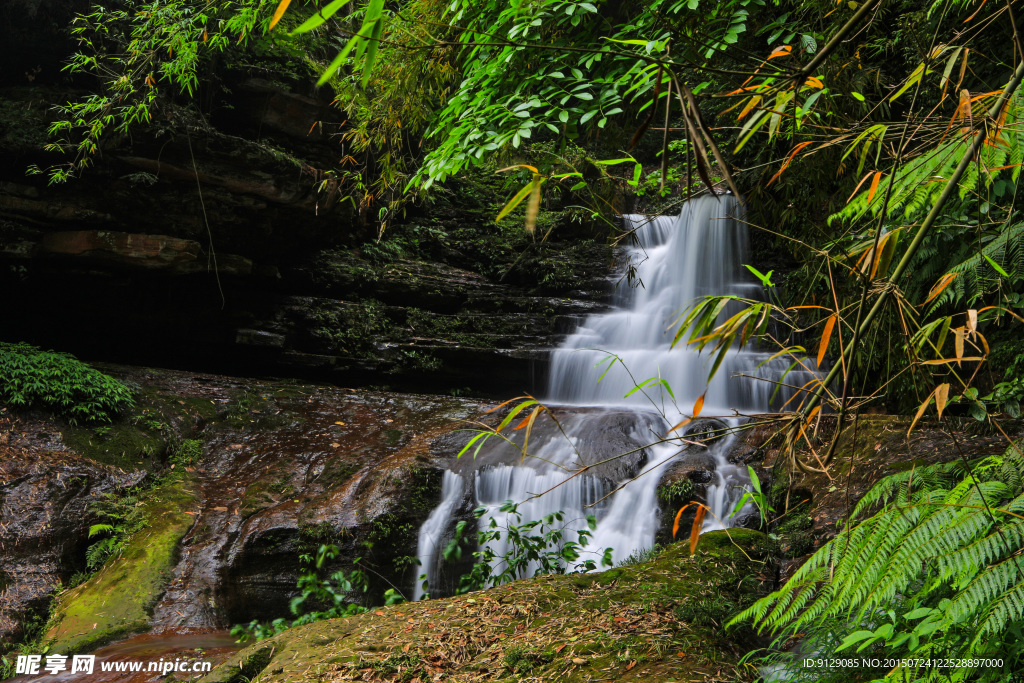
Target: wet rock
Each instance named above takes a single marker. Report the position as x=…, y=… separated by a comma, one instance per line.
x=45, y=500
x=610, y=443
x=119, y=600
x=706, y=430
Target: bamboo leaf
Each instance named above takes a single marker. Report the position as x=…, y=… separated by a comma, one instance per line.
x=278, y=13
x=941, y=285
x=675, y=524
x=826, y=336
x=318, y=19
x=698, y=522
x=515, y=201
x=699, y=405
x=941, y=397
x=920, y=412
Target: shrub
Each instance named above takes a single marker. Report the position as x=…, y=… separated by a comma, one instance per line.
x=30, y=377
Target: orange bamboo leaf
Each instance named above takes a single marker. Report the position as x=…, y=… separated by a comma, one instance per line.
x=874, y=185
x=278, y=13
x=826, y=335
x=814, y=82
x=781, y=52
x=943, y=361
x=751, y=103
x=940, y=286
x=698, y=522
x=505, y=403
x=857, y=189
x=789, y=159
x=680, y=424
x=675, y=524
x=878, y=256
x=699, y=405
x=810, y=418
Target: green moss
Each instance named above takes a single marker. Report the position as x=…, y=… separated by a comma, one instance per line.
x=122, y=445
x=620, y=625
x=676, y=494
x=119, y=599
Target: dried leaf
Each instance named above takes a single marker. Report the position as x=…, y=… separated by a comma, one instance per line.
x=698, y=522
x=940, y=286
x=675, y=524
x=941, y=396
x=699, y=405
x=826, y=336
x=920, y=412
x=874, y=185
x=278, y=13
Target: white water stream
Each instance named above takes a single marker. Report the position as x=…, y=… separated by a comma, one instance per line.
x=679, y=259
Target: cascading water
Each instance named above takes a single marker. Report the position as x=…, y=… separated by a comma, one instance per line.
x=432, y=531
x=680, y=259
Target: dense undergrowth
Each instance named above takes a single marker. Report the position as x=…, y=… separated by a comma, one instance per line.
x=33, y=378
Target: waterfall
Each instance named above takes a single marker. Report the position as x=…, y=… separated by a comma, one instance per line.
x=677, y=260
x=432, y=539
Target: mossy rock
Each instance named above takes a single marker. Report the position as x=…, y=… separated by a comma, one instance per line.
x=624, y=624
x=119, y=600
x=122, y=445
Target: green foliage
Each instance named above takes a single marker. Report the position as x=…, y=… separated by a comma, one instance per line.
x=921, y=179
x=186, y=452
x=642, y=556
x=543, y=546
x=935, y=572
x=135, y=52
x=125, y=515
x=30, y=377
x=759, y=498
x=320, y=597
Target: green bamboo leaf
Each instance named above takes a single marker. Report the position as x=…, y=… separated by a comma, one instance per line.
x=320, y=17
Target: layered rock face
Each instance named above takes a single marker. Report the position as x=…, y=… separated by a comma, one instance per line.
x=45, y=496
x=218, y=238
x=277, y=469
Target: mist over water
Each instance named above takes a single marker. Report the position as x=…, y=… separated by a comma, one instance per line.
x=678, y=260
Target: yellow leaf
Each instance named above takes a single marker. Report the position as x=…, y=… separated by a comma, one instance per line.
x=533, y=206
x=941, y=396
x=959, y=344
x=514, y=202
x=814, y=82
x=920, y=412
x=278, y=13
x=943, y=361
x=826, y=335
x=972, y=320
x=751, y=103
